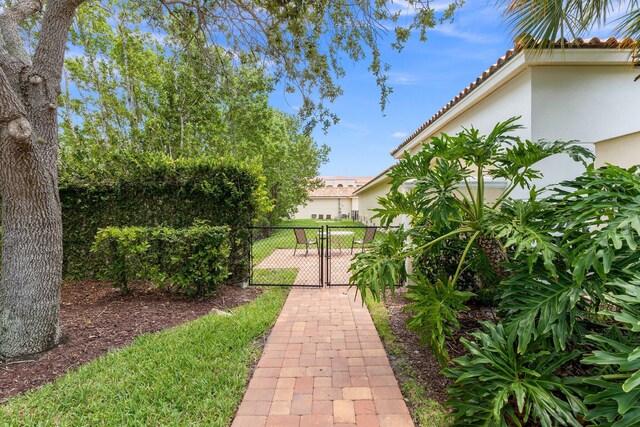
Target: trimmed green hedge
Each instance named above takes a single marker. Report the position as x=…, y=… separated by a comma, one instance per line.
x=155, y=190
x=192, y=260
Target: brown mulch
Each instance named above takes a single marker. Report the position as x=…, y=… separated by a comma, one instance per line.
x=95, y=318
x=424, y=364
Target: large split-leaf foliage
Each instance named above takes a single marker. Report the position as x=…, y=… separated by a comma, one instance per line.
x=563, y=349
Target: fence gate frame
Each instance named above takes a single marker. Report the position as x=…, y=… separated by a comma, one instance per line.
x=324, y=250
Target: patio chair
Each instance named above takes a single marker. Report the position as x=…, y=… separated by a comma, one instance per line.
x=301, y=239
x=369, y=235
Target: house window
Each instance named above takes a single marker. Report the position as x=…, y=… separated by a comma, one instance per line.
x=340, y=185
x=314, y=216
x=321, y=216
x=328, y=216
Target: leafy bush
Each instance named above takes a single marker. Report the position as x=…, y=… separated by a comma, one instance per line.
x=435, y=311
x=496, y=385
x=616, y=395
x=121, y=248
x=193, y=260
x=574, y=289
x=452, y=218
x=154, y=190
x=378, y=269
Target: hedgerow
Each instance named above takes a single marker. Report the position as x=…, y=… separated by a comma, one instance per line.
x=155, y=190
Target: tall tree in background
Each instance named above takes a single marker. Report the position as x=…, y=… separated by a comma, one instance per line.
x=188, y=102
x=303, y=42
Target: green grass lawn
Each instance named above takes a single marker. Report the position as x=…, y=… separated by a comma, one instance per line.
x=193, y=374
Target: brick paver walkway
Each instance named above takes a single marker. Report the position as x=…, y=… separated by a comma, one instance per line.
x=323, y=365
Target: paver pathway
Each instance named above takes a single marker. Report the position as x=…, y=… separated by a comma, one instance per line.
x=323, y=365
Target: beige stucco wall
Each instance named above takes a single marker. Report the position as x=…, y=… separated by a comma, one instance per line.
x=586, y=103
x=368, y=200
x=623, y=151
x=325, y=206
x=490, y=194
x=509, y=100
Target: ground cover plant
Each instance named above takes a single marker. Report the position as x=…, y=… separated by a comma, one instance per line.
x=193, y=374
x=564, y=348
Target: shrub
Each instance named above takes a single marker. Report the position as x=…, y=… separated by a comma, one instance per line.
x=574, y=290
x=121, y=248
x=496, y=385
x=452, y=217
x=193, y=260
x=435, y=306
x=153, y=191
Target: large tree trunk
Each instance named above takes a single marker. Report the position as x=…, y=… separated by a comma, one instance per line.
x=32, y=244
x=31, y=218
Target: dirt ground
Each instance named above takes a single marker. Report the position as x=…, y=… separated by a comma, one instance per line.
x=418, y=356
x=95, y=318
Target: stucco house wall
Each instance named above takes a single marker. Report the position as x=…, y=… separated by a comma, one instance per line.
x=585, y=93
x=335, y=198
x=488, y=107
x=622, y=151
x=368, y=200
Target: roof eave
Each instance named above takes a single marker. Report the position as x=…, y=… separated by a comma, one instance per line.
x=465, y=100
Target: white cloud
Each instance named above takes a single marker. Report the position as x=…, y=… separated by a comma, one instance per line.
x=399, y=134
x=469, y=36
x=406, y=79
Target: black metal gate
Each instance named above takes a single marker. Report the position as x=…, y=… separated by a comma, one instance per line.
x=305, y=256
x=287, y=256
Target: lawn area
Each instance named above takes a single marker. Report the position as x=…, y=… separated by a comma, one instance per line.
x=193, y=374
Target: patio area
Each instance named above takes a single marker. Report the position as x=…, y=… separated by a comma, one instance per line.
x=308, y=265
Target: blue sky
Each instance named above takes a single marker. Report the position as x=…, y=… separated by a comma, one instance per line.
x=424, y=76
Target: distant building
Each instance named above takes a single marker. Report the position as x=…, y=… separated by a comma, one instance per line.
x=334, y=200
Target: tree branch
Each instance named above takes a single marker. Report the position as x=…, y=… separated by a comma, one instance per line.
x=49, y=55
x=10, y=39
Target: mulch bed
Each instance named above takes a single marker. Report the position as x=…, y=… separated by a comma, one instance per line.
x=419, y=357
x=95, y=318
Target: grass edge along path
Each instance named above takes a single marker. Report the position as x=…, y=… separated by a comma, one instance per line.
x=193, y=374
x=425, y=411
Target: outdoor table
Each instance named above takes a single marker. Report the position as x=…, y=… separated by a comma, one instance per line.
x=341, y=233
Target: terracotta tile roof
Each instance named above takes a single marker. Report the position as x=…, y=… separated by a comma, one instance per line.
x=592, y=43
x=332, y=192
x=345, y=178
x=374, y=179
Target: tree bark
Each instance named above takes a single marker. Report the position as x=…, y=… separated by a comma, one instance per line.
x=31, y=217
x=495, y=254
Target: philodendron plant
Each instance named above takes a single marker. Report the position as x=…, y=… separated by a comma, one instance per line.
x=449, y=207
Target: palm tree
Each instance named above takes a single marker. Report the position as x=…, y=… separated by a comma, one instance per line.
x=538, y=24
